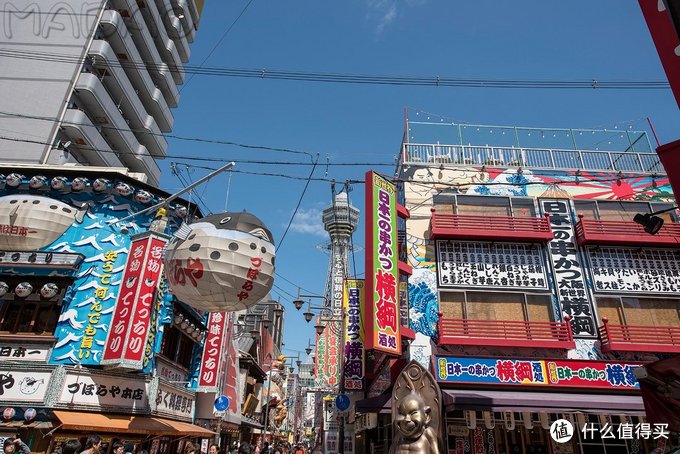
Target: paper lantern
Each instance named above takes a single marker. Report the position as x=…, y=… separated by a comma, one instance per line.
x=30, y=414
x=8, y=413
x=79, y=183
x=124, y=189
x=100, y=184
x=223, y=262
x=58, y=183
x=14, y=179
x=143, y=196
x=181, y=211
x=49, y=290
x=38, y=221
x=4, y=288
x=37, y=182
x=23, y=289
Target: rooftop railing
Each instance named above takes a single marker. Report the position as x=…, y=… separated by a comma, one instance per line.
x=638, y=338
x=540, y=158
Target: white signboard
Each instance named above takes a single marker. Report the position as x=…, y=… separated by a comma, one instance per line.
x=331, y=442
x=23, y=386
x=22, y=353
x=632, y=270
x=173, y=402
x=127, y=393
x=503, y=265
x=169, y=372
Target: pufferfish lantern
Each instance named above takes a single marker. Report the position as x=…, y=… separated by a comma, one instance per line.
x=222, y=262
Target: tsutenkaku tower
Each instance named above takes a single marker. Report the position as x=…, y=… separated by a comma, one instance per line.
x=340, y=220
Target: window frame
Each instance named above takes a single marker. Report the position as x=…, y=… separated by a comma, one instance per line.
x=622, y=309
x=174, y=358
x=10, y=300
x=525, y=306
x=644, y=206
x=450, y=198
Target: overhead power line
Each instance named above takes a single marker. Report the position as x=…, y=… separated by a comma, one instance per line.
x=306, y=76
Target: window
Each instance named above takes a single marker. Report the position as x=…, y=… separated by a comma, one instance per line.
x=496, y=306
x=177, y=347
x=32, y=314
x=484, y=205
x=607, y=210
x=639, y=311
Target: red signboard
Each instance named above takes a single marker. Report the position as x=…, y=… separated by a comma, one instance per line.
x=665, y=39
x=208, y=378
x=231, y=370
x=132, y=315
x=381, y=309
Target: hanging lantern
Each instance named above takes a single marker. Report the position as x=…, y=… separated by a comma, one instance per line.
x=471, y=419
x=489, y=421
x=30, y=414
x=23, y=289
x=223, y=262
x=42, y=219
x=14, y=179
x=100, y=184
x=181, y=211
x=124, y=189
x=4, y=288
x=79, y=183
x=49, y=290
x=143, y=196
x=37, y=182
x=9, y=413
x=58, y=183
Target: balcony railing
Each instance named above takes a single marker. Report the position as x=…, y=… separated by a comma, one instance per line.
x=625, y=233
x=492, y=228
x=539, y=158
x=505, y=333
x=636, y=338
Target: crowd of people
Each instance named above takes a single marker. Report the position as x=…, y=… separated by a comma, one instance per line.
x=93, y=445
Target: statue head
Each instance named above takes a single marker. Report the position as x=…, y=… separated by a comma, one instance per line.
x=413, y=417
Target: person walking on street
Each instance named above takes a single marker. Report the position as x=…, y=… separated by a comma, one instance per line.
x=189, y=448
x=73, y=446
x=92, y=445
x=129, y=448
x=12, y=444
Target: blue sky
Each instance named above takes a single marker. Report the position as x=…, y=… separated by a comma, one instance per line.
x=604, y=40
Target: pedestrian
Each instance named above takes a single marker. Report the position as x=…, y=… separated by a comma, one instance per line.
x=265, y=448
x=73, y=446
x=129, y=448
x=234, y=448
x=299, y=450
x=93, y=444
x=213, y=449
x=244, y=448
x=12, y=444
x=117, y=448
x=189, y=448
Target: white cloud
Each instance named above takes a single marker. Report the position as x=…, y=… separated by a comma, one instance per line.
x=387, y=11
x=308, y=221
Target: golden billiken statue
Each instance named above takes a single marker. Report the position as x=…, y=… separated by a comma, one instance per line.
x=416, y=412
x=413, y=423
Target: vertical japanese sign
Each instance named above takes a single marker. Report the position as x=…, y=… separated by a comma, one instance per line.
x=132, y=316
x=338, y=277
x=321, y=371
x=382, y=270
x=208, y=378
x=231, y=370
x=354, y=335
x=570, y=286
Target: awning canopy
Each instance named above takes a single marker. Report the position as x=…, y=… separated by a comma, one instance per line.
x=661, y=392
x=522, y=401
x=75, y=420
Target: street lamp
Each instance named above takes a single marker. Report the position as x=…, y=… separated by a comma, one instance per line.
x=650, y=221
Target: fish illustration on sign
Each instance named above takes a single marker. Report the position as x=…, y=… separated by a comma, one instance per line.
x=29, y=222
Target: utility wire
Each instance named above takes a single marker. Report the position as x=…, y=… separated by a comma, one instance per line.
x=217, y=44
x=297, y=207
x=305, y=76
